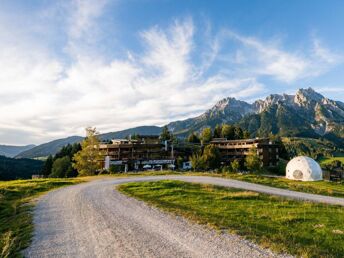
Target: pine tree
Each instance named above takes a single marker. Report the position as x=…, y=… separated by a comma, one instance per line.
x=165, y=135
x=217, y=131
x=46, y=171
x=193, y=138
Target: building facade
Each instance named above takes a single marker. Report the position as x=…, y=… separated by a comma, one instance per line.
x=239, y=149
x=147, y=152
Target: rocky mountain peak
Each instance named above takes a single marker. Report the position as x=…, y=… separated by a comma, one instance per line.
x=230, y=105
x=307, y=95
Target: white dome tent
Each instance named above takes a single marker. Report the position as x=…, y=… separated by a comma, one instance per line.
x=304, y=169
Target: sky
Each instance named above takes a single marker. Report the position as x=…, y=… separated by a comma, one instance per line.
x=116, y=64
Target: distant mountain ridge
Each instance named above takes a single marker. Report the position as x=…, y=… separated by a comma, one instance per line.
x=51, y=148
x=307, y=113
x=228, y=110
x=11, y=151
x=142, y=130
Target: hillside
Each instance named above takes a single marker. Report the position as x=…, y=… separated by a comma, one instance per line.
x=141, y=130
x=314, y=148
x=51, y=148
x=18, y=168
x=48, y=148
x=11, y=151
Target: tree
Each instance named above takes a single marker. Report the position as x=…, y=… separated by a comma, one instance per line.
x=211, y=156
x=179, y=162
x=61, y=167
x=46, y=171
x=246, y=135
x=193, y=138
x=217, y=131
x=252, y=160
x=227, y=132
x=135, y=137
x=165, y=135
x=66, y=151
x=238, y=133
x=206, y=135
x=87, y=160
x=235, y=164
x=197, y=161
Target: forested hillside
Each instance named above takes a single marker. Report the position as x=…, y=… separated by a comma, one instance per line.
x=18, y=168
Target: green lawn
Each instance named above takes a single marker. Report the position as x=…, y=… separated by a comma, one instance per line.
x=299, y=228
x=326, y=161
x=317, y=187
x=16, y=202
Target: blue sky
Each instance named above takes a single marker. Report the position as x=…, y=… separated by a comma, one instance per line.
x=117, y=64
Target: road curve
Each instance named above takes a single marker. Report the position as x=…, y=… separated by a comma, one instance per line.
x=95, y=220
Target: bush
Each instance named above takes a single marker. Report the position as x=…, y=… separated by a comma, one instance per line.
x=113, y=169
x=235, y=165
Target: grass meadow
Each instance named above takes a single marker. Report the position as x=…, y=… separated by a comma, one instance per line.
x=299, y=228
x=315, y=187
x=16, y=202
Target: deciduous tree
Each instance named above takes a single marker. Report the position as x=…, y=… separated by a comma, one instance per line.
x=60, y=167
x=227, y=132
x=235, y=165
x=197, y=161
x=252, y=160
x=211, y=156
x=87, y=161
x=206, y=135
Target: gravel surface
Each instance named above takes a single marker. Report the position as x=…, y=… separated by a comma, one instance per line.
x=94, y=220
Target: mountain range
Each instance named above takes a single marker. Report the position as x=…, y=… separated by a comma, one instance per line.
x=307, y=113
x=12, y=151
x=51, y=148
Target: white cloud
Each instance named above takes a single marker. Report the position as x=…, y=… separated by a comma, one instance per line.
x=44, y=97
x=325, y=54
x=267, y=58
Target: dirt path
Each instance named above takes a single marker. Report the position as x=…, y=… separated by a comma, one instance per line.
x=94, y=220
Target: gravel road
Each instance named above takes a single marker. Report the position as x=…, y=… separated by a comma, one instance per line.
x=95, y=220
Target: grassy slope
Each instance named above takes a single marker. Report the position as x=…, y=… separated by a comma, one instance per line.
x=16, y=202
x=299, y=228
x=326, y=161
x=317, y=187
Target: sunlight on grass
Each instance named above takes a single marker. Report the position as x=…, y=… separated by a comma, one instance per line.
x=299, y=228
x=15, y=211
x=317, y=187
